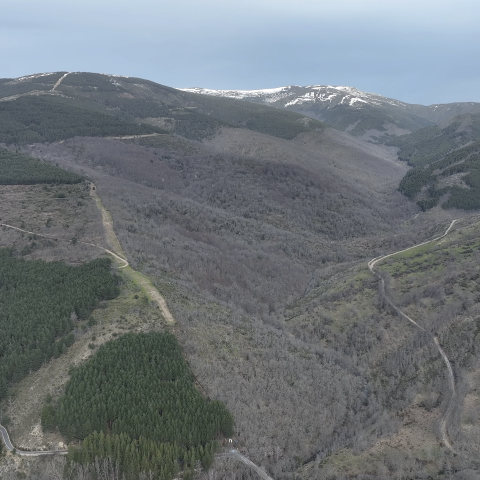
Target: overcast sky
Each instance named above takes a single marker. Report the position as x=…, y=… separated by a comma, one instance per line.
x=418, y=51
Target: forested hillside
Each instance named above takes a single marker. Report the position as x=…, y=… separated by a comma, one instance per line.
x=17, y=169
x=230, y=241
x=40, y=83
x=279, y=218
x=256, y=226
x=125, y=101
x=430, y=144
x=165, y=425
x=40, y=303
x=48, y=118
x=193, y=116
x=446, y=164
x=134, y=404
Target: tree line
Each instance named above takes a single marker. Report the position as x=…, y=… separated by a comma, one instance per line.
x=135, y=403
x=39, y=303
x=18, y=169
x=48, y=119
x=466, y=160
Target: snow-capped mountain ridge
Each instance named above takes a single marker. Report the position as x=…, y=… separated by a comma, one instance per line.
x=348, y=108
x=304, y=96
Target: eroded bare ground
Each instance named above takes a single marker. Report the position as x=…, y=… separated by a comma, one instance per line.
x=15, y=467
x=65, y=212
x=418, y=432
x=107, y=223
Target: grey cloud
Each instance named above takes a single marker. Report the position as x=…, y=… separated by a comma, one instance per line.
x=228, y=48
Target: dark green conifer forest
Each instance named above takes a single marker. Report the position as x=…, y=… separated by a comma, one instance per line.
x=48, y=119
x=39, y=303
x=465, y=163
x=134, y=404
x=18, y=169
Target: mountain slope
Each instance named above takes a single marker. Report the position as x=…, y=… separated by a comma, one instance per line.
x=154, y=106
x=236, y=212
x=347, y=108
x=256, y=225
x=231, y=241
x=447, y=164
x=368, y=115
x=41, y=82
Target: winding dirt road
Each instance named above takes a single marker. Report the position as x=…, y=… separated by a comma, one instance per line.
x=451, y=377
x=27, y=453
x=118, y=257
x=246, y=461
x=131, y=137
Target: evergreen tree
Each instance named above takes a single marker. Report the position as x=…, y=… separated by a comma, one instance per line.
x=135, y=404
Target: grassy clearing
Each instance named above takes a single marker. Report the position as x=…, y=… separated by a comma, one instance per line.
x=414, y=252
x=347, y=462
x=131, y=308
x=150, y=291
x=408, y=265
x=432, y=261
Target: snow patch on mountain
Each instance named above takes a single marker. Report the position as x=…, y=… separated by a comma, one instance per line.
x=270, y=95
x=26, y=78
x=114, y=76
x=294, y=95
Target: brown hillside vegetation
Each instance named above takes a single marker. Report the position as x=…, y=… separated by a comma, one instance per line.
x=256, y=227
x=231, y=241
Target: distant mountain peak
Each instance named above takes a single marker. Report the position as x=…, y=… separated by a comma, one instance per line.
x=291, y=95
x=347, y=108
